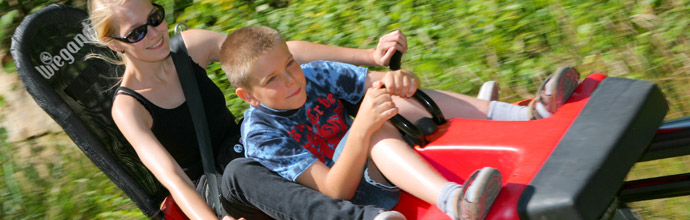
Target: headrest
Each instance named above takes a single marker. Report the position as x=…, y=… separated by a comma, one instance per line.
x=49, y=48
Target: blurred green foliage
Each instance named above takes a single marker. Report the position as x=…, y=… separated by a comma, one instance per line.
x=457, y=45
x=453, y=45
x=47, y=178
x=13, y=11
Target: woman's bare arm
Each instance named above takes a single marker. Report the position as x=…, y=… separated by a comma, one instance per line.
x=135, y=122
x=305, y=52
x=204, y=47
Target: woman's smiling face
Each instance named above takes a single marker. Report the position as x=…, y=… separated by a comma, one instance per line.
x=155, y=45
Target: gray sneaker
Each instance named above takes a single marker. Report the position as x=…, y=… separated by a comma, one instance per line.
x=478, y=194
x=389, y=215
x=488, y=91
x=555, y=90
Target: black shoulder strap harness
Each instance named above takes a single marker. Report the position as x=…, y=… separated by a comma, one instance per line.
x=190, y=88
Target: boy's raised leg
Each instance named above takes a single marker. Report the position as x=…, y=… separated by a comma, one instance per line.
x=453, y=105
x=402, y=166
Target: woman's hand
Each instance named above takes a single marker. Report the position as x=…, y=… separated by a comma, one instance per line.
x=227, y=217
x=402, y=83
x=376, y=108
x=388, y=44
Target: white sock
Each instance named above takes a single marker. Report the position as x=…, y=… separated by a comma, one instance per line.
x=541, y=109
x=446, y=198
x=501, y=111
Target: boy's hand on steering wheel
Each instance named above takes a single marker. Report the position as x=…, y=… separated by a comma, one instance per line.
x=402, y=83
x=388, y=44
x=376, y=108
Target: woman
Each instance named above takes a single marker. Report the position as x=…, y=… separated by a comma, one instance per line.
x=149, y=108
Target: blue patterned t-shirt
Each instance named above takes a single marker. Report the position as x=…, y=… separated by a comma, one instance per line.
x=289, y=141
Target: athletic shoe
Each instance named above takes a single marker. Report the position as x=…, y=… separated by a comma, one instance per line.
x=488, y=91
x=389, y=215
x=478, y=194
x=555, y=90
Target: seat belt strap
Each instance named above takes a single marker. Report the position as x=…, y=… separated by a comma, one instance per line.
x=190, y=88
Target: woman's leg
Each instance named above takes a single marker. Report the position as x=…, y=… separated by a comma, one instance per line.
x=246, y=183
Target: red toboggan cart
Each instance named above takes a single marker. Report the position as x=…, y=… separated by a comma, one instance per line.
x=568, y=166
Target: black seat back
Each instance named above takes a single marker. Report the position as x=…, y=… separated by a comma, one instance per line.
x=49, y=47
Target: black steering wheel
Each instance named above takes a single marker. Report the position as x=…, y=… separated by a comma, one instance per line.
x=424, y=126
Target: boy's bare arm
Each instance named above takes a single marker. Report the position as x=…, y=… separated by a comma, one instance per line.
x=342, y=179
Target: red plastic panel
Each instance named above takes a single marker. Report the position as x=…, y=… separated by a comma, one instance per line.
x=171, y=211
x=517, y=148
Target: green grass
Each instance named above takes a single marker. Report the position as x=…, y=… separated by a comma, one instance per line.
x=49, y=178
x=671, y=208
x=457, y=45
x=453, y=45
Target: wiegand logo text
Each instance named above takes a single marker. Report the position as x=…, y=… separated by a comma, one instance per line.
x=54, y=62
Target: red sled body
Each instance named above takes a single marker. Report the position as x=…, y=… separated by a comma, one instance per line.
x=570, y=165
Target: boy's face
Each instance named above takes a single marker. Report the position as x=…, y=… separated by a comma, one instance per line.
x=277, y=80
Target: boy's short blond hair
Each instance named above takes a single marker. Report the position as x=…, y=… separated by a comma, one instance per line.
x=242, y=48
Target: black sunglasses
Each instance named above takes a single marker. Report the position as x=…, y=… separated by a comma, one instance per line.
x=155, y=18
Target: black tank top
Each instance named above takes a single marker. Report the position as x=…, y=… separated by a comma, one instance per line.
x=175, y=130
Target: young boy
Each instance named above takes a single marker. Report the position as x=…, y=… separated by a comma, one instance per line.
x=297, y=126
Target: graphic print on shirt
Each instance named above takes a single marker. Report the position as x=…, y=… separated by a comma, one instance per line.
x=322, y=138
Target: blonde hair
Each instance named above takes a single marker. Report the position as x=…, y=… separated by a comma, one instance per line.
x=101, y=26
x=242, y=48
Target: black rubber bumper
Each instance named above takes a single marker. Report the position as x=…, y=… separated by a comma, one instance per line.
x=586, y=170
